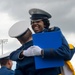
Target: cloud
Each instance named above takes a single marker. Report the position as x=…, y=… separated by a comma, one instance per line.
x=5, y=23
x=62, y=11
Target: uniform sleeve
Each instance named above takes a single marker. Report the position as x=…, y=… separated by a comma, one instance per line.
x=62, y=52
x=12, y=72
x=15, y=55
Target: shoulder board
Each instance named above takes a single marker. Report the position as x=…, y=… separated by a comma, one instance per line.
x=51, y=29
x=71, y=46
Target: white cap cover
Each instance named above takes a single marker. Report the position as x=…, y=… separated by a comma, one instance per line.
x=18, y=29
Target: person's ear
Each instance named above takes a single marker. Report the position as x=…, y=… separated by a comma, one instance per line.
x=8, y=62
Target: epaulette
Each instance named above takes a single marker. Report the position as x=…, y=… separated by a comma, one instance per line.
x=70, y=66
x=51, y=29
x=71, y=46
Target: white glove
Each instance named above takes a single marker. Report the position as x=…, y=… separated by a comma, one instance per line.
x=32, y=51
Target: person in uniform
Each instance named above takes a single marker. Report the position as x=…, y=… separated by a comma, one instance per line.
x=40, y=23
x=24, y=56
x=6, y=65
x=25, y=65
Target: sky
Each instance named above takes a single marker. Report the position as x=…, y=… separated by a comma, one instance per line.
x=11, y=11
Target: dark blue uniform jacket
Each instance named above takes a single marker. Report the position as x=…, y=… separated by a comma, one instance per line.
x=26, y=66
x=5, y=71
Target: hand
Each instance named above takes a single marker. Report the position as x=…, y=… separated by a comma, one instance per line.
x=32, y=51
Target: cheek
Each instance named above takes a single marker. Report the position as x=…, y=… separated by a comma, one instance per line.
x=33, y=26
x=42, y=26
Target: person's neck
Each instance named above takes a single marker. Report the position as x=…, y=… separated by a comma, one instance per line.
x=26, y=41
x=7, y=66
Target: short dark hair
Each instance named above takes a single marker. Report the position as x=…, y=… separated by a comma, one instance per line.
x=4, y=61
x=25, y=36
x=46, y=23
